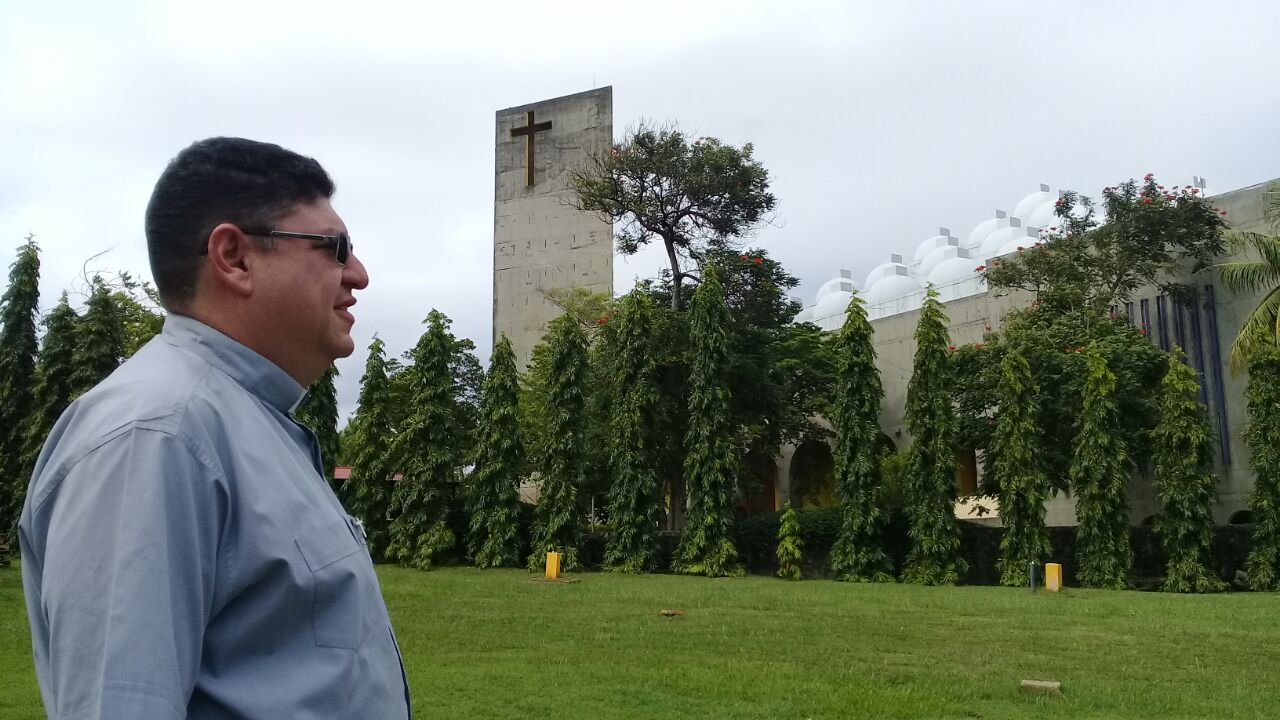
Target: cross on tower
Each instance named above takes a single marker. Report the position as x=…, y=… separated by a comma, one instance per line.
x=529, y=131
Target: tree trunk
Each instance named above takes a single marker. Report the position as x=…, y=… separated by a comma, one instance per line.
x=676, y=277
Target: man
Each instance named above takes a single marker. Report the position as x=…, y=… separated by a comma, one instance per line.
x=182, y=554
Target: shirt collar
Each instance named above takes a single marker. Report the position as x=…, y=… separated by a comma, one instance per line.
x=257, y=374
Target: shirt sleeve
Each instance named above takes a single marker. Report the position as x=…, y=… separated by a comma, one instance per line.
x=131, y=541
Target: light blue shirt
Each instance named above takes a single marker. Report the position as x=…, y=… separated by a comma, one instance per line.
x=183, y=556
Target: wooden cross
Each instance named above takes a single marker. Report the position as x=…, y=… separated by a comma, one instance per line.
x=529, y=131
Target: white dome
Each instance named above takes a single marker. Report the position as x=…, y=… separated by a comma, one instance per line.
x=983, y=229
x=936, y=256
x=885, y=270
x=838, y=284
x=891, y=295
x=995, y=241
x=803, y=316
x=956, y=278
x=828, y=314
x=933, y=243
x=1028, y=204
x=1043, y=216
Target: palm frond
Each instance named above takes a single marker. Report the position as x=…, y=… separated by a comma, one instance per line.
x=1261, y=329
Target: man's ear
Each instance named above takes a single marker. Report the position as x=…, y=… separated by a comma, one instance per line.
x=229, y=263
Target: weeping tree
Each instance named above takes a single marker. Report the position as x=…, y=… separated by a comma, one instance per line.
x=634, y=494
x=558, y=516
x=711, y=460
x=318, y=411
x=934, y=558
x=1023, y=487
x=100, y=338
x=19, y=309
x=366, y=492
x=1185, y=483
x=789, y=551
x=493, y=538
x=858, y=553
x=428, y=450
x=1263, y=435
x=1099, y=473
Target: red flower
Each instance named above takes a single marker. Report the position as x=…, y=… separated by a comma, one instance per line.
x=977, y=345
x=1195, y=191
x=951, y=347
x=1222, y=212
x=1142, y=332
x=980, y=268
x=743, y=258
x=759, y=261
x=1146, y=199
x=1020, y=248
x=1148, y=176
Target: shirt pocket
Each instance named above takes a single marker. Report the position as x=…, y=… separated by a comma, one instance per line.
x=338, y=585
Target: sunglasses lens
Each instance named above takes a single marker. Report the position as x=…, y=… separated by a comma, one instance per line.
x=344, y=248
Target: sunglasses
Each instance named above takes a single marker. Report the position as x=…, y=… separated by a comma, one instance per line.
x=341, y=243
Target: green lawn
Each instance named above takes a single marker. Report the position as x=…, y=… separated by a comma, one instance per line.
x=496, y=644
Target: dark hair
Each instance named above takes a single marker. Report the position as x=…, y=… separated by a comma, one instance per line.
x=216, y=181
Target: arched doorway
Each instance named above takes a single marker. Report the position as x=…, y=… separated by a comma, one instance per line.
x=813, y=475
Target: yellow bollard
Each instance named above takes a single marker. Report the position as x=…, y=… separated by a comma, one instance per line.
x=553, y=566
x=1053, y=577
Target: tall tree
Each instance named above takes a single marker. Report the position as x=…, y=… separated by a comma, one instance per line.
x=366, y=493
x=657, y=184
x=558, y=516
x=1100, y=469
x=428, y=450
x=318, y=411
x=858, y=553
x=1185, y=483
x=634, y=502
x=493, y=504
x=934, y=558
x=1018, y=470
x=711, y=461
x=1263, y=434
x=19, y=308
x=101, y=338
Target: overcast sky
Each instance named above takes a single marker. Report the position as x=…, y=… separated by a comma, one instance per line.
x=878, y=121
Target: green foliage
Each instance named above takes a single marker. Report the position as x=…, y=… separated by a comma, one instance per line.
x=1185, y=483
x=859, y=552
x=429, y=450
x=710, y=463
x=1051, y=340
x=935, y=538
x=366, y=493
x=1023, y=488
x=1150, y=236
x=100, y=338
x=691, y=195
x=1263, y=435
x=789, y=545
x=140, y=312
x=1100, y=470
x=492, y=489
x=19, y=308
x=1260, y=272
x=561, y=460
x=318, y=411
x=634, y=500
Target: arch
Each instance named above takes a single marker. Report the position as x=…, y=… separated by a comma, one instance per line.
x=1241, y=517
x=759, y=483
x=813, y=472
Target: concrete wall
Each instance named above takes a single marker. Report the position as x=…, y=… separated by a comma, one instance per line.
x=1224, y=391
x=539, y=241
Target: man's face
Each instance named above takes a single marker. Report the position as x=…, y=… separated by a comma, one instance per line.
x=303, y=293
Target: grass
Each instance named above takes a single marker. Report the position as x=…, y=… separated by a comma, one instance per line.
x=496, y=644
